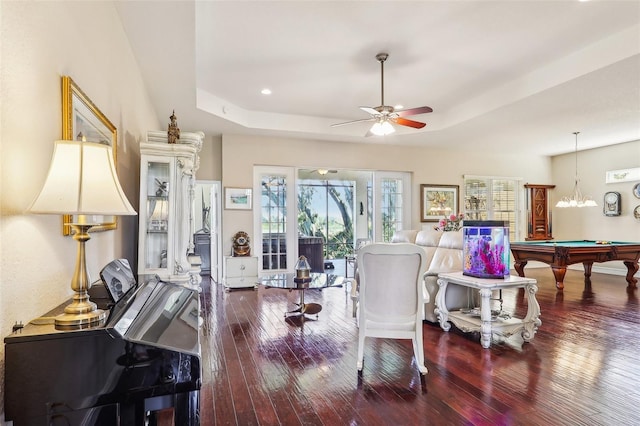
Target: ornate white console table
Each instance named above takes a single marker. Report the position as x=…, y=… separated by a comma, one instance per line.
x=487, y=323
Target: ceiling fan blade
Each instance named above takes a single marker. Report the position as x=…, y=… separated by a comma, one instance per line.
x=410, y=123
x=414, y=111
x=370, y=110
x=353, y=121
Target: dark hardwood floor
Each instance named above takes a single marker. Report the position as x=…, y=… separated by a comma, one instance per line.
x=580, y=369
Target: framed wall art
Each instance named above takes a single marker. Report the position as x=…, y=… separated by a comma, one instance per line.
x=437, y=201
x=83, y=121
x=622, y=175
x=237, y=199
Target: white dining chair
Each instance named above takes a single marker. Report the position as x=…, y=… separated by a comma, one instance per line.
x=391, y=296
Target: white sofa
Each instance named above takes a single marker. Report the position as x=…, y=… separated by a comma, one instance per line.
x=444, y=254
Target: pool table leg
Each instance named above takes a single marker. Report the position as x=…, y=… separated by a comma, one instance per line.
x=559, y=272
x=519, y=267
x=632, y=268
x=587, y=269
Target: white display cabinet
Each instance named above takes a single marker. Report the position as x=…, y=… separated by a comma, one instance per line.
x=167, y=181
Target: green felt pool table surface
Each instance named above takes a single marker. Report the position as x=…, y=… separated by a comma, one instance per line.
x=559, y=254
x=578, y=243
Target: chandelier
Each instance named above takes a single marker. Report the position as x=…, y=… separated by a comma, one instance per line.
x=576, y=199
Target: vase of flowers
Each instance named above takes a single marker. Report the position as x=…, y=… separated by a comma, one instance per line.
x=450, y=223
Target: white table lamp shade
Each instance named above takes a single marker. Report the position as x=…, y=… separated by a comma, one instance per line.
x=82, y=180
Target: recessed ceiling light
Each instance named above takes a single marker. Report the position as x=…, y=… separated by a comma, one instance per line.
x=265, y=91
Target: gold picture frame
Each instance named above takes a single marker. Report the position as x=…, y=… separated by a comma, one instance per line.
x=437, y=201
x=82, y=120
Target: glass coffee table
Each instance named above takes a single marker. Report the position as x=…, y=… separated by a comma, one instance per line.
x=316, y=281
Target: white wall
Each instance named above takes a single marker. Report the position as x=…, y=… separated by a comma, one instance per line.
x=589, y=222
x=41, y=41
x=241, y=153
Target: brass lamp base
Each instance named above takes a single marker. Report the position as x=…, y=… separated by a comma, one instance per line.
x=81, y=313
x=78, y=321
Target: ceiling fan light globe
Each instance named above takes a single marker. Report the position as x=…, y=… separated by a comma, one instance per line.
x=382, y=128
x=387, y=128
x=376, y=129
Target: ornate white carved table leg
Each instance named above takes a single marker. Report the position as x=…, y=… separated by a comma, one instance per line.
x=532, y=320
x=441, y=310
x=485, y=317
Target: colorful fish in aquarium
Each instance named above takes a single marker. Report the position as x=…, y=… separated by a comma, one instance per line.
x=485, y=259
x=486, y=249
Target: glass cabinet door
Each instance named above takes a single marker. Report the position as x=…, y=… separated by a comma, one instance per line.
x=157, y=215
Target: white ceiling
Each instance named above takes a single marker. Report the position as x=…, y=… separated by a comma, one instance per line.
x=514, y=76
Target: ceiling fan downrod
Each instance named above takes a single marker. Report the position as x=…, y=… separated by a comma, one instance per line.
x=381, y=57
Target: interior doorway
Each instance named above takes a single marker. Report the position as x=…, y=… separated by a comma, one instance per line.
x=207, y=235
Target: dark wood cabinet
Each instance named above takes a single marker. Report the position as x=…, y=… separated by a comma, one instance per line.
x=538, y=212
x=202, y=243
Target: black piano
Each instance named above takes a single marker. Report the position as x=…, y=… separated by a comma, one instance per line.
x=143, y=361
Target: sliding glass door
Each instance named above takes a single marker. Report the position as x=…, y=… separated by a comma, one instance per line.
x=337, y=207
x=326, y=209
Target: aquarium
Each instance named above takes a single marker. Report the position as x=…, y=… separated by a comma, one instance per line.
x=486, y=248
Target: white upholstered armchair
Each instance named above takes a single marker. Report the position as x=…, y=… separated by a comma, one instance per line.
x=391, y=296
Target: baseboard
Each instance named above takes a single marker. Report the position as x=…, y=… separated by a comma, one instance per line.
x=602, y=270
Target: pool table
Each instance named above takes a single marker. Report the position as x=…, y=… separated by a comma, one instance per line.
x=559, y=254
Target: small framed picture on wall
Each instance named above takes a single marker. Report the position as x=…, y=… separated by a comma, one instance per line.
x=237, y=198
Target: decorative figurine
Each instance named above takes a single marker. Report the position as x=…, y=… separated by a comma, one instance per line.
x=163, y=188
x=206, y=226
x=173, y=132
x=241, y=245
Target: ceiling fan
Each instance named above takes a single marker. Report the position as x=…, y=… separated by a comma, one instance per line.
x=384, y=115
x=323, y=172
